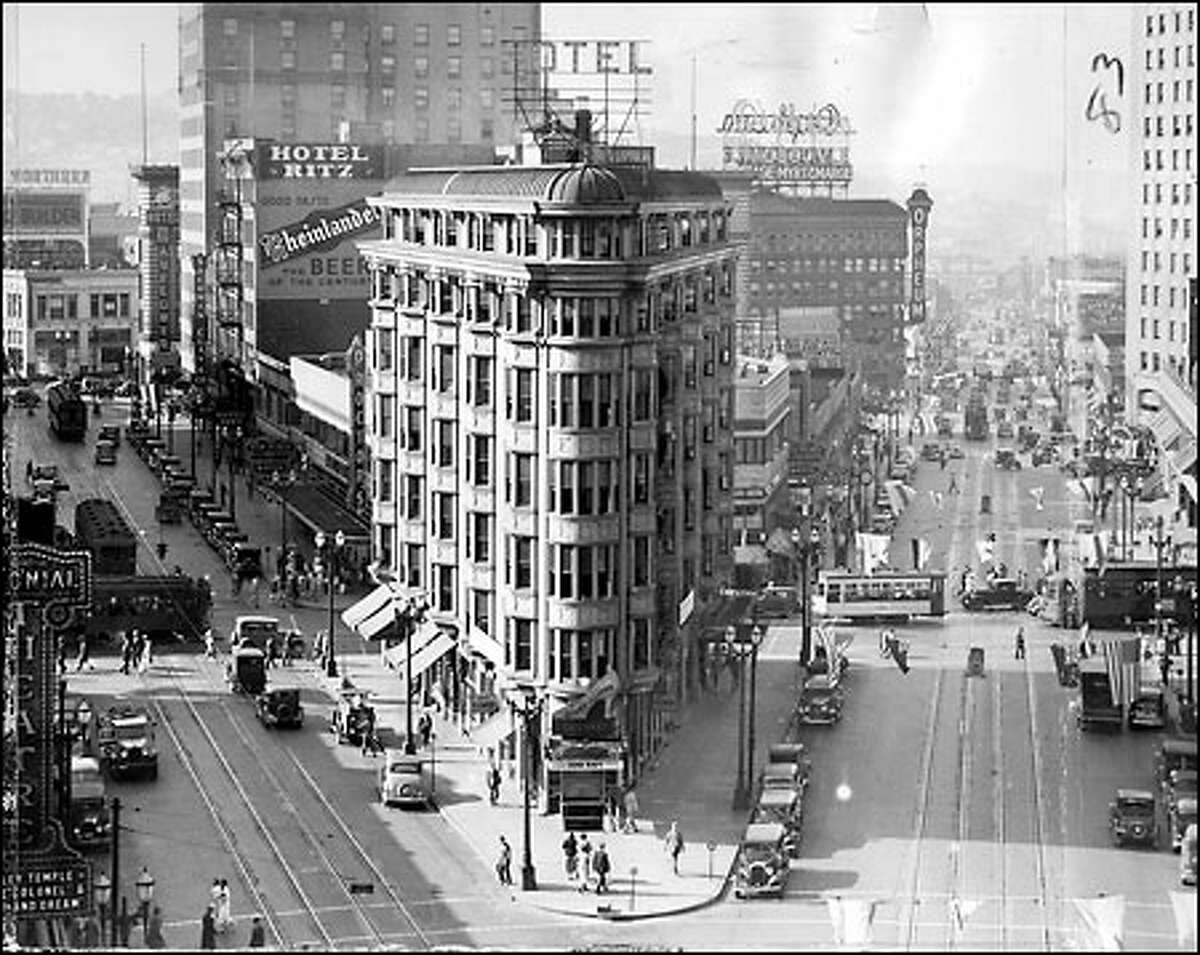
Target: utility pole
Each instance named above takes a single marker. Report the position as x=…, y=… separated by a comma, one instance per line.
x=115, y=920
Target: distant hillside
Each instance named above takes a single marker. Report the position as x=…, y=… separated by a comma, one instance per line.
x=100, y=133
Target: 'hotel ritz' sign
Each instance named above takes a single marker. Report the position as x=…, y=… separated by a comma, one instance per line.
x=318, y=161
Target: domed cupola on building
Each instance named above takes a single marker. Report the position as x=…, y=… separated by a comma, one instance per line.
x=585, y=184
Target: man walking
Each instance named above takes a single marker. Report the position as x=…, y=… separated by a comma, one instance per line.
x=570, y=850
x=126, y=652
x=585, y=863
x=1019, y=649
x=602, y=865
x=674, y=845
x=493, y=783
x=504, y=863
x=631, y=810
x=425, y=728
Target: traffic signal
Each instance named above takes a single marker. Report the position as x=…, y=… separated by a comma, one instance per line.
x=161, y=549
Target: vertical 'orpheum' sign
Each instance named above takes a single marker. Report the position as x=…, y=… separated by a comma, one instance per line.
x=356, y=491
x=919, y=205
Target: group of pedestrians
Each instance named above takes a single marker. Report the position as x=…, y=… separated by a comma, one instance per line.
x=218, y=919
x=583, y=862
x=137, y=652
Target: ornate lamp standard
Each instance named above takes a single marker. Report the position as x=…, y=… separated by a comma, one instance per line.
x=281, y=483
x=806, y=552
x=144, y=886
x=330, y=550
x=756, y=638
x=530, y=712
x=102, y=891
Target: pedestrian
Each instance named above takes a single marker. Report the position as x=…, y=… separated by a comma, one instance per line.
x=631, y=810
x=208, y=929
x=84, y=654
x=425, y=727
x=272, y=650
x=585, y=863
x=570, y=850
x=210, y=644
x=1019, y=650
x=504, y=863
x=1164, y=669
x=153, y=935
x=602, y=866
x=126, y=652
x=224, y=909
x=953, y=488
x=147, y=655
x=674, y=845
x=369, y=744
x=258, y=935
x=493, y=783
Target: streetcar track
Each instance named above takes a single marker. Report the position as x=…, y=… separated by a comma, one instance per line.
x=1039, y=845
x=243, y=863
x=998, y=805
x=258, y=821
x=360, y=906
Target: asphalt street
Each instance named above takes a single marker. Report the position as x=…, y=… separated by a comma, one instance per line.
x=934, y=786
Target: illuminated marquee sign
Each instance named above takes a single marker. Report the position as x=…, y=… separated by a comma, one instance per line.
x=787, y=146
x=360, y=466
x=200, y=315
x=316, y=232
x=318, y=161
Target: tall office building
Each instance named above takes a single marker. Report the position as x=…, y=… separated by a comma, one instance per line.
x=550, y=403
x=365, y=74
x=1160, y=287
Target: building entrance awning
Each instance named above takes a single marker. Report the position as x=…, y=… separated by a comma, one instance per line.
x=430, y=643
x=355, y=615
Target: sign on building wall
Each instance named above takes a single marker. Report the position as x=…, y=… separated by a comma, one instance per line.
x=49, y=177
x=160, y=266
x=318, y=161
x=788, y=146
x=357, y=491
x=919, y=205
x=28, y=212
x=200, y=315
x=306, y=226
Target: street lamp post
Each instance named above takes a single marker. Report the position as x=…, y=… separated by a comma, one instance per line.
x=756, y=636
x=171, y=426
x=530, y=711
x=741, y=795
x=102, y=893
x=145, y=892
x=408, y=619
x=330, y=550
x=281, y=484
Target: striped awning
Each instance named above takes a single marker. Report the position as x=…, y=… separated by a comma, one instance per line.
x=430, y=643
x=370, y=605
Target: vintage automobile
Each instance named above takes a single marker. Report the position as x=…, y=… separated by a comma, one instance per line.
x=1006, y=460
x=1148, y=710
x=776, y=600
x=110, y=432
x=1181, y=813
x=48, y=472
x=790, y=777
x=1131, y=817
x=1187, y=856
x=1043, y=454
x=125, y=739
x=26, y=398
x=1004, y=429
x=280, y=707
x=351, y=716
x=931, y=451
x=90, y=824
x=1003, y=594
x=404, y=780
x=788, y=753
x=784, y=806
x=1174, y=753
x=253, y=629
x=820, y=701
x=246, y=671
x=945, y=427
x=953, y=452
x=106, y=453
x=762, y=865
x=1181, y=784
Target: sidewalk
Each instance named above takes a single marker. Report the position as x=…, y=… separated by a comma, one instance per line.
x=691, y=781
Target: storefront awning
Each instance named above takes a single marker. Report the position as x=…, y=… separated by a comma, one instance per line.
x=498, y=726
x=370, y=605
x=380, y=625
x=430, y=643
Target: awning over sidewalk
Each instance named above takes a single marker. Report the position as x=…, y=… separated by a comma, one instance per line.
x=430, y=643
x=353, y=616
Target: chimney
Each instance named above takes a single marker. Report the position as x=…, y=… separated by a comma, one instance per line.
x=583, y=125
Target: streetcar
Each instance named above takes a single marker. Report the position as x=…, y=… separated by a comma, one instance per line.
x=67, y=411
x=883, y=595
x=1115, y=597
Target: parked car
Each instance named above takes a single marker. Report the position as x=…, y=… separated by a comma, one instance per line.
x=1187, y=856
x=931, y=451
x=404, y=780
x=820, y=701
x=762, y=865
x=48, y=472
x=1148, y=711
x=1174, y=753
x=953, y=452
x=1004, y=429
x=1131, y=817
x=785, y=807
x=1180, y=815
x=350, y=717
x=1003, y=594
x=110, y=432
x=1006, y=459
x=106, y=452
x=26, y=398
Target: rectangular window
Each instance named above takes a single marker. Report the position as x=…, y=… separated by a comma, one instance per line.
x=481, y=537
x=487, y=97
x=287, y=29
x=453, y=67
x=481, y=382
x=641, y=478
x=421, y=66
x=521, y=645
x=605, y=502
x=413, y=363
x=445, y=588
x=421, y=34
x=481, y=613
x=421, y=97
x=412, y=436
x=230, y=26
x=453, y=35
x=587, y=480
x=523, y=479
x=487, y=36
x=586, y=581
x=641, y=643
x=287, y=59
x=387, y=33
x=337, y=61
x=641, y=560
x=337, y=96
x=524, y=394
x=567, y=490
x=587, y=404
x=387, y=66
x=412, y=496
x=445, y=443
x=385, y=422
x=445, y=368
x=481, y=463
x=523, y=566
x=566, y=571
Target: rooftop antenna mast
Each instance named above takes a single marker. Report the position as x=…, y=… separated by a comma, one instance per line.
x=145, y=149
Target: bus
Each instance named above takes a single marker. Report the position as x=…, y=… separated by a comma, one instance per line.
x=67, y=411
x=885, y=595
x=975, y=421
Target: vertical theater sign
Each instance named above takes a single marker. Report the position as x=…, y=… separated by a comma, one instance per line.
x=43, y=877
x=919, y=205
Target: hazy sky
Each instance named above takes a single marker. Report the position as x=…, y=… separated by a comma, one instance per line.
x=934, y=91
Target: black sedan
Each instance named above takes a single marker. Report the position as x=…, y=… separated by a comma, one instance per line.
x=1003, y=594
